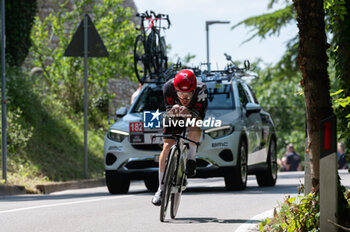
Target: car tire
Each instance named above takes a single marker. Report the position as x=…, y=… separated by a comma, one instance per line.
x=151, y=183
x=269, y=176
x=116, y=183
x=236, y=177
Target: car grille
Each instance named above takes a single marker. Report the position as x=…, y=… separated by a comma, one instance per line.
x=141, y=164
x=148, y=147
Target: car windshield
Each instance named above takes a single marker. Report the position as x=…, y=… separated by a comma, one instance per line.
x=150, y=100
x=220, y=96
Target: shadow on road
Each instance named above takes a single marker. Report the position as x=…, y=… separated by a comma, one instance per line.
x=210, y=220
x=60, y=196
x=278, y=189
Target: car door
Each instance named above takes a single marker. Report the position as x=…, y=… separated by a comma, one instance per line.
x=264, y=126
x=252, y=120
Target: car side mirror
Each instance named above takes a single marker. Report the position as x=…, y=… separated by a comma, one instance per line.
x=252, y=108
x=121, y=112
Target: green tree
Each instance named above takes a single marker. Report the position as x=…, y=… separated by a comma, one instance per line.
x=313, y=64
x=338, y=17
x=63, y=76
x=282, y=98
x=18, y=29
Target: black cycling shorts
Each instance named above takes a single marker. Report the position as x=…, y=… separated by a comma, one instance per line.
x=172, y=130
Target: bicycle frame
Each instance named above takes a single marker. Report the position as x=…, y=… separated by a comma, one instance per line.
x=152, y=18
x=174, y=175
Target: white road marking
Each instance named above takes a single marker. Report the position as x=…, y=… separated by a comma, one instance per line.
x=62, y=204
x=250, y=225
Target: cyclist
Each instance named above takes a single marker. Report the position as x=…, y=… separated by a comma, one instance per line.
x=184, y=97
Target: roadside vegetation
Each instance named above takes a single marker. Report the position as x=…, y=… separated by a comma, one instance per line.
x=282, y=85
x=45, y=107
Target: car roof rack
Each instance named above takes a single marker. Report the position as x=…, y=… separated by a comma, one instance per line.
x=230, y=72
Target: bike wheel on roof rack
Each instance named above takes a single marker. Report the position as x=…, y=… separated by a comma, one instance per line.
x=151, y=50
x=141, y=65
x=163, y=54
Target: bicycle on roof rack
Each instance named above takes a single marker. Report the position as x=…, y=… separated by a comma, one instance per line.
x=150, y=56
x=231, y=71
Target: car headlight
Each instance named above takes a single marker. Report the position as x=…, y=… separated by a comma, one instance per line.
x=117, y=135
x=219, y=132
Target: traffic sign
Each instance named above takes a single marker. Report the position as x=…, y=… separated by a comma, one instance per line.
x=86, y=42
x=96, y=48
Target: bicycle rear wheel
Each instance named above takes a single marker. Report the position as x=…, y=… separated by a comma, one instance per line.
x=140, y=59
x=176, y=197
x=168, y=181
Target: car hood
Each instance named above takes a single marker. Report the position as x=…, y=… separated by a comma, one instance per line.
x=226, y=117
x=123, y=123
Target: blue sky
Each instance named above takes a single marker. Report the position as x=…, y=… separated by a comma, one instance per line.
x=188, y=35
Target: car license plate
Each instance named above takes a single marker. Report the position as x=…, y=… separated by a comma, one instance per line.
x=150, y=139
x=136, y=138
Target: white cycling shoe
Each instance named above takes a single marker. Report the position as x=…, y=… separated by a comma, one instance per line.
x=157, y=198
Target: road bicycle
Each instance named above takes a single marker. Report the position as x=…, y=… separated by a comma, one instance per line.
x=150, y=57
x=174, y=175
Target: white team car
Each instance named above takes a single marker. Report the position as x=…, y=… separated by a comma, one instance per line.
x=244, y=144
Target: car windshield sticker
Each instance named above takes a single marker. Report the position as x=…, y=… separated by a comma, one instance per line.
x=218, y=86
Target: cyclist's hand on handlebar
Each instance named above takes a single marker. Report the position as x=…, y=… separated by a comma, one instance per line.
x=174, y=112
x=184, y=112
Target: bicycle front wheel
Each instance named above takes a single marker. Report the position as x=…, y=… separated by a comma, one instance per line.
x=176, y=197
x=168, y=181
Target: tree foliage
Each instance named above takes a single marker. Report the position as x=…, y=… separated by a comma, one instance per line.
x=338, y=18
x=283, y=99
x=18, y=29
x=63, y=76
x=269, y=24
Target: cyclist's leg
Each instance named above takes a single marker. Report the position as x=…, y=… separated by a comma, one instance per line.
x=168, y=143
x=194, y=134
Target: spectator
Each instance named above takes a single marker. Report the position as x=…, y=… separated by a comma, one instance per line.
x=291, y=160
x=341, y=155
x=282, y=163
x=135, y=94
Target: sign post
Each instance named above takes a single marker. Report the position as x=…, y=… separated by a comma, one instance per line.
x=328, y=174
x=3, y=95
x=86, y=42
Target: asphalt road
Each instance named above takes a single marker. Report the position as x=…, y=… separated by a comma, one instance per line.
x=205, y=206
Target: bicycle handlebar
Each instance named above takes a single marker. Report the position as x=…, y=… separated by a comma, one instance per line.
x=148, y=15
x=176, y=136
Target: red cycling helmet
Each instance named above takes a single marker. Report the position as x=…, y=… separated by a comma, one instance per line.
x=185, y=81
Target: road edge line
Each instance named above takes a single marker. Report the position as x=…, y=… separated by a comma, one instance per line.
x=248, y=226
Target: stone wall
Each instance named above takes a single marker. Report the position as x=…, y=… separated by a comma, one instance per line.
x=123, y=88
